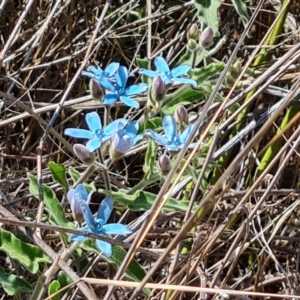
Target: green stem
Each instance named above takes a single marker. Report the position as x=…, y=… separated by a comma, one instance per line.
x=145, y=182
x=105, y=171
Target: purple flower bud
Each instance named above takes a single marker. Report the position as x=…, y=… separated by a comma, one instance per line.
x=193, y=33
x=95, y=89
x=158, y=88
x=181, y=115
x=84, y=154
x=206, y=38
x=164, y=164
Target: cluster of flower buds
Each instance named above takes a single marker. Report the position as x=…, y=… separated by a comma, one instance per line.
x=233, y=74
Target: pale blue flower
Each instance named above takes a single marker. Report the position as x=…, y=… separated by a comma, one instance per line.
x=126, y=137
x=172, y=140
x=99, y=226
x=75, y=197
x=119, y=91
x=96, y=134
x=166, y=74
x=106, y=77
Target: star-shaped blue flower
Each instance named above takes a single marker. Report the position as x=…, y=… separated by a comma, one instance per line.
x=119, y=91
x=166, y=74
x=99, y=226
x=75, y=197
x=126, y=137
x=96, y=134
x=173, y=141
x=106, y=77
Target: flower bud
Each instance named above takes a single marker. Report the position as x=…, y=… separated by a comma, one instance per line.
x=119, y=144
x=84, y=154
x=181, y=115
x=158, y=88
x=164, y=164
x=236, y=69
x=95, y=89
x=206, y=38
x=192, y=45
x=193, y=33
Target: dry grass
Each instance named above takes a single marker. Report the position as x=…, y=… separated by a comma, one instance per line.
x=249, y=240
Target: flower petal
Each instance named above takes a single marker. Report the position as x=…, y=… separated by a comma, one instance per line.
x=105, y=210
x=130, y=102
x=116, y=228
x=148, y=73
x=186, y=81
x=110, y=99
x=169, y=126
x=156, y=137
x=93, y=144
x=180, y=70
x=112, y=68
x=79, y=133
x=96, y=70
x=78, y=237
x=112, y=127
x=105, y=247
x=106, y=83
x=131, y=129
x=121, y=143
x=184, y=136
x=122, y=76
x=137, y=138
x=136, y=89
x=88, y=216
x=161, y=64
x=88, y=74
x=93, y=121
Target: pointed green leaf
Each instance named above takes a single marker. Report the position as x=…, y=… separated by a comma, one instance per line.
x=59, y=174
x=26, y=254
x=241, y=9
x=205, y=73
x=141, y=200
x=57, y=214
x=13, y=284
x=153, y=123
x=75, y=175
x=150, y=159
x=53, y=288
x=144, y=64
x=208, y=14
x=187, y=58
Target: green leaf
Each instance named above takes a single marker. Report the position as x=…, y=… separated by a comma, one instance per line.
x=75, y=175
x=26, y=254
x=203, y=74
x=53, y=288
x=141, y=200
x=150, y=159
x=57, y=214
x=13, y=284
x=208, y=14
x=241, y=9
x=59, y=174
x=187, y=58
x=144, y=64
x=184, y=95
x=133, y=272
x=153, y=124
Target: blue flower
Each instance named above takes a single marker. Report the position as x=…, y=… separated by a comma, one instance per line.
x=106, y=77
x=96, y=134
x=75, y=197
x=120, y=92
x=99, y=226
x=168, y=76
x=123, y=139
x=172, y=141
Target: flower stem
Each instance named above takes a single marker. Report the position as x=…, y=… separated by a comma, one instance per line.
x=105, y=171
